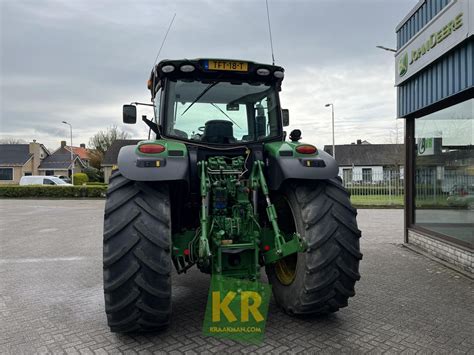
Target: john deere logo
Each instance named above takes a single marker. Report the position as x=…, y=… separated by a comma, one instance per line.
x=403, y=64
x=432, y=41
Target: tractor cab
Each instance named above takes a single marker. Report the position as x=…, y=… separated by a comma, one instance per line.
x=217, y=102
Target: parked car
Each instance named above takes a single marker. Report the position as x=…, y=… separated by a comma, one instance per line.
x=42, y=180
x=64, y=178
x=461, y=196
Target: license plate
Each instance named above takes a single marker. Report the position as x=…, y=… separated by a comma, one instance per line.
x=227, y=65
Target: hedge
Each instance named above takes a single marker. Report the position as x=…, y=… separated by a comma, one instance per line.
x=93, y=174
x=80, y=178
x=96, y=183
x=52, y=191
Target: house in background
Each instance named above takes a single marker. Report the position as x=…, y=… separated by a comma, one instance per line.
x=59, y=163
x=111, y=155
x=80, y=151
x=17, y=160
x=365, y=162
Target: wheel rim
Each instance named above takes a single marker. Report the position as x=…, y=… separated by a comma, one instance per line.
x=285, y=269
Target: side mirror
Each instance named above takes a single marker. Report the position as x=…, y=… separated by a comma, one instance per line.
x=129, y=114
x=295, y=135
x=286, y=117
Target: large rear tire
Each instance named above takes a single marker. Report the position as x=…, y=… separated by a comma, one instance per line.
x=322, y=279
x=137, y=259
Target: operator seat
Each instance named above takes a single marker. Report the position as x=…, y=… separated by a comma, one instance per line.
x=218, y=132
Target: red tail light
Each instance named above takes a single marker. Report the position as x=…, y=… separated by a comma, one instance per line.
x=306, y=149
x=151, y=148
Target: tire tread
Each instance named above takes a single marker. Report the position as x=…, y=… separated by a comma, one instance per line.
x=332, y=259
x=137, y=259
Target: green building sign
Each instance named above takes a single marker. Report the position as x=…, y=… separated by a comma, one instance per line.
x=409, y=58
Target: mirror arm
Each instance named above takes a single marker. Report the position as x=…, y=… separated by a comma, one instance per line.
x=153, y=126
x=141, y=103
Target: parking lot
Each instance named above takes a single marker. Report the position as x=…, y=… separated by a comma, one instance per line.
x=51, y=298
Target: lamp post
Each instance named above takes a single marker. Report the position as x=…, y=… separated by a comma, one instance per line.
x=387, y=49
x=72, y=153
x=333, y=144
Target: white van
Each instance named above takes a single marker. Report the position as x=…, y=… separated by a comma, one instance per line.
x=42, y=180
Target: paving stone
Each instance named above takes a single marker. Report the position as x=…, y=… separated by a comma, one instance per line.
x=51, y=296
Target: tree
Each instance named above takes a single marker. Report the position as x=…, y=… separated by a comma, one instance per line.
x=12, y=141
x=93, y=174
x=101, y=142
x=396, y=135
x=95, y=158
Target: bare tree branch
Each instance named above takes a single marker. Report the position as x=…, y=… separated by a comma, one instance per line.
x=102, y=140
x=12, y=141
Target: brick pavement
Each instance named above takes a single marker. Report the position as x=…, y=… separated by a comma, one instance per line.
x=51, y=298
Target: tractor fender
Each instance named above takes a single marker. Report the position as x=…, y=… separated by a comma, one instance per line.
x=159, y=167
x=280, y=168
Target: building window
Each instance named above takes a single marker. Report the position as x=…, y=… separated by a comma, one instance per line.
x=49, y=172
x=444, y=172
x=6, y=174
x=27, y=174
x=367, y=174
x=347, y=175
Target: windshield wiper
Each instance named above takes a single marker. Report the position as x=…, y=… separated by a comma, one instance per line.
x=217, y=107
x=249, y=98
x=209, y=87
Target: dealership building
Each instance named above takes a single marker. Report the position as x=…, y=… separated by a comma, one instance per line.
x=435, y=95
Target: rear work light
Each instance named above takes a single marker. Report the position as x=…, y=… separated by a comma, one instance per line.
x=279, y=74
x=151, y=148
x=306, y=149
x=263, y=71
x=187, y=68
x=167, y=68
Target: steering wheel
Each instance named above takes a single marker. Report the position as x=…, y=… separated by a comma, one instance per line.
x=201, y=129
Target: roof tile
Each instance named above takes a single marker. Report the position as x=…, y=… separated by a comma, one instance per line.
x=111, y=154
x=14, y=154
x=368, y=154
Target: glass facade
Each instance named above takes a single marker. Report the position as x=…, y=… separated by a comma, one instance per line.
x=444, y=173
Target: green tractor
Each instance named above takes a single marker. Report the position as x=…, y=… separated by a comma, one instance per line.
x=220, y=187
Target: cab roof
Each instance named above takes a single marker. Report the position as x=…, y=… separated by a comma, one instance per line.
x=215, y=69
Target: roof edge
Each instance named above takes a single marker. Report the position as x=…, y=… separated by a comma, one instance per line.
x=409, y=15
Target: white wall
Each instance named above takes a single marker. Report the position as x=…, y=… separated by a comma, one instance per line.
x=377, y=172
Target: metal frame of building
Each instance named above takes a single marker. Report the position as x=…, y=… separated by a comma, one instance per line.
x=443, y=77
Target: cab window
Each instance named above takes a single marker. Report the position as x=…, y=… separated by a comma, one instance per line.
x=221, y=112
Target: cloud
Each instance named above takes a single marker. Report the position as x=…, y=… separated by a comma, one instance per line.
x=81, y=60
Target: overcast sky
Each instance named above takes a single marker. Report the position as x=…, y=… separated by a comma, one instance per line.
x=81, y=60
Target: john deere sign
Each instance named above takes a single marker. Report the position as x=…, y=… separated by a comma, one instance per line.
x=448, y=29
x=433, y=40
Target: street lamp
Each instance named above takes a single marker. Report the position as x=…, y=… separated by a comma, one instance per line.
x=333, y=144
x=387, y=49
x=72, y=154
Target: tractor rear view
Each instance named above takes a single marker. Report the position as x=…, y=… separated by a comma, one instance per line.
x=220, y=188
